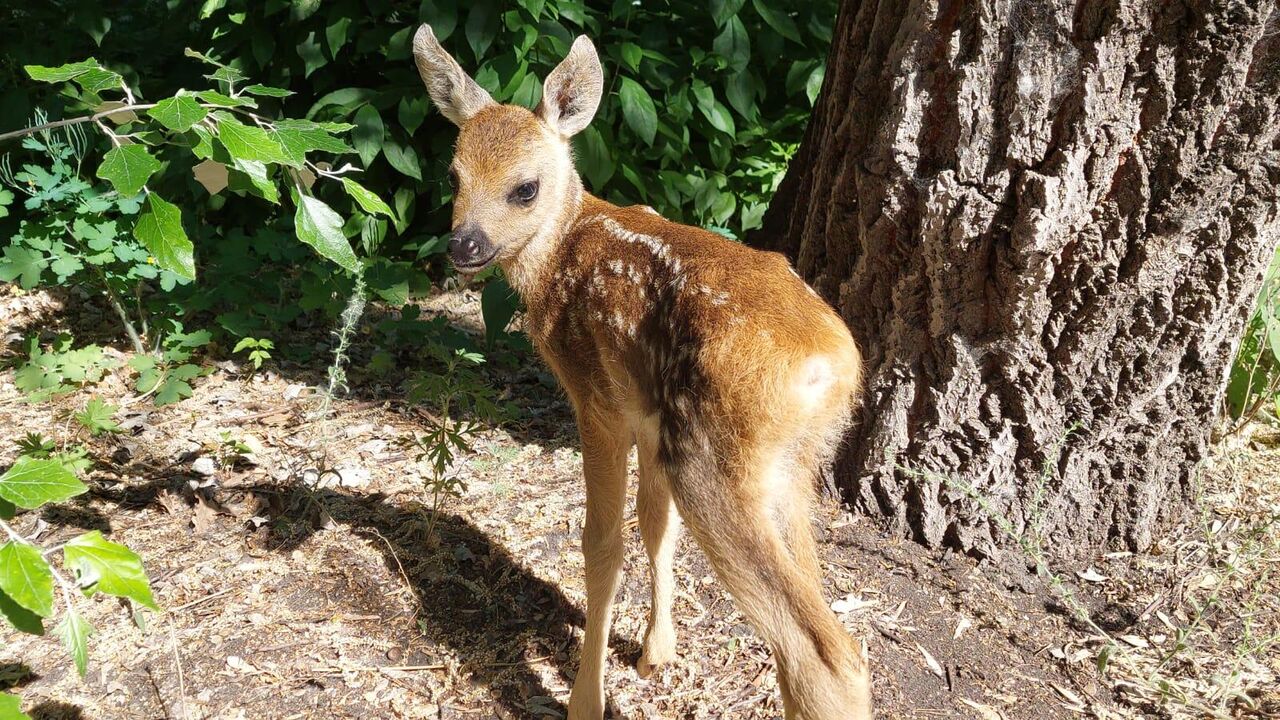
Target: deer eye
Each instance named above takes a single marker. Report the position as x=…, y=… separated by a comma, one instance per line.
x=525, y=192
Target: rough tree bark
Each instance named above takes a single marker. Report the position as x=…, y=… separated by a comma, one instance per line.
x=1038, y=215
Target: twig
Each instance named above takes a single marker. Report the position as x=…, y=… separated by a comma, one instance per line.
x=177, y=661
x=96, y=117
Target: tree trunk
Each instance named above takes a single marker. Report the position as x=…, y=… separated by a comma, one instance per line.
x=1045, y=222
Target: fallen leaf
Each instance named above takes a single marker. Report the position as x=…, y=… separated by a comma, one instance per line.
x=964, y=624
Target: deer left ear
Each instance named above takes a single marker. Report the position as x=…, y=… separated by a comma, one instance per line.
x=571, y=93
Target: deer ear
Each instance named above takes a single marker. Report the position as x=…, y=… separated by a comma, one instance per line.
x=571, y=93
x=452, y=90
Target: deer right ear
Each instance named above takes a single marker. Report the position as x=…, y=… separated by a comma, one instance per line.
x=452, y=90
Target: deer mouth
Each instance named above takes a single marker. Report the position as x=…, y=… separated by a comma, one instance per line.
x=474, y=266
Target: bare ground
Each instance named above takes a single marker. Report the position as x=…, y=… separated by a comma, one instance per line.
x=301, y=581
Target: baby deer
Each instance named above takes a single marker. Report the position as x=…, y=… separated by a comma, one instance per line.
x=732, y=377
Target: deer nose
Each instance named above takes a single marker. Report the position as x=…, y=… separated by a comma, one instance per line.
x=470, y=247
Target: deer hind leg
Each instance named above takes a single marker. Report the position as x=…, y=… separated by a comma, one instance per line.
x=660, y=528
x=605, y=443
x=822, y=673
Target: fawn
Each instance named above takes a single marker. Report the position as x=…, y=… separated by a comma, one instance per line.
x=731, y=376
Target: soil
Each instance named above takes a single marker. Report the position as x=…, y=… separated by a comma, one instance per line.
x=300, y=579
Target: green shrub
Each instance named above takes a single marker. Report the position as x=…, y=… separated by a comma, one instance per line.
x=705, y=102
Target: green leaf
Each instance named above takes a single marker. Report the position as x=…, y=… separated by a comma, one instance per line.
x=336, y=35
x=498, y=304
x=312, y=56
x=402, y=158
x=368, y=134
x=638, y=110
x=632, y=55
x=246, y=142
x=719, y=117
x=25, y=577
x=297, y=141
x=128, y=168
x=411, y=111
x=256, y=173
x=723, y=10
x=733, y=45
x=11, y=708
x=103, y=566
x=814, y=84
x=482, y=26
x=740, y=89
x=62, y=73
x=7, y=510
x=31, y=483
x=23, y=264
x=320, y=227
x=160, y=232
x=98, y=417
x=368, y=201
x=75, y=631
x=267, y=91
x=20, y=617
x=594, y=157
x=778, y=20
x=98, y=79
x=178, y=113
x=214, y=97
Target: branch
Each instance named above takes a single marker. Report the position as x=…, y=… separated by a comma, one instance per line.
x=96, y=117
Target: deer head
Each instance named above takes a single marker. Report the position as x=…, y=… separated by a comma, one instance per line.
x=515, y=187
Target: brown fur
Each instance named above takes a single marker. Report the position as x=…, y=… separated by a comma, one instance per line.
x=729, y=374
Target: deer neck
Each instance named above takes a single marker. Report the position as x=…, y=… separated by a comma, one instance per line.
x=529, y=270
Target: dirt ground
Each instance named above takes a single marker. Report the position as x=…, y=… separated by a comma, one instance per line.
x=299, y=581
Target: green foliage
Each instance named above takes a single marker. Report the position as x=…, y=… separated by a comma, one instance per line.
x=28, y=579
x=259, y=350
x=98, y=417
x=11, y=708
x=693, y=92
x=1254, y=386
x=60, y=369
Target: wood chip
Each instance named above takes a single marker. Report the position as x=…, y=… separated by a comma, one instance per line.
x=934, y=667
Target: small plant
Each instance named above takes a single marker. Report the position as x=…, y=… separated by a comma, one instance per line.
x=230, y=451
x=29, y=578
x=457, y=390
x=1254, y=387
x=259, y=350
x=98, y=417
x=60, y=369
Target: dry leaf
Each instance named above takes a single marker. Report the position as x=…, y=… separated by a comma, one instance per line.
x=172, y=502
x=203, y=516
x=119, y=118
x=964, y=624
x=212, y=175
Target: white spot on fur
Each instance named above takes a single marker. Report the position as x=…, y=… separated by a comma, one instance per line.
x=814, y=379
x=649, y=210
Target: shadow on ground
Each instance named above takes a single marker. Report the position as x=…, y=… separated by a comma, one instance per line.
x=472, y=595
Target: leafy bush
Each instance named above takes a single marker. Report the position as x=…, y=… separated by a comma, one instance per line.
x=704, y=102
